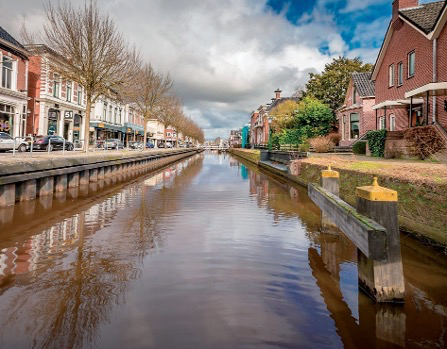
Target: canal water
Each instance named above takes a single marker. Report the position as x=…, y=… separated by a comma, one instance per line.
x=207, y=253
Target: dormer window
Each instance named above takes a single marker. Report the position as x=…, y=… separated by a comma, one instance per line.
x=7, y=69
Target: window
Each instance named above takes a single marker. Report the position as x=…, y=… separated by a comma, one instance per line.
x=411, y=63
x=392, y=122
x=381, y=123
x=110, y=114
x=104, y=112
x=7, y=69
x=69, y=91
x=391, y=75
x=56, y=86
x=354, y=127
x=354, y=95
x=400, y=74
x=79, y=95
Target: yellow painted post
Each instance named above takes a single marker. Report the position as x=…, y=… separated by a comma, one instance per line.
x=383, y=280
x=330, y=180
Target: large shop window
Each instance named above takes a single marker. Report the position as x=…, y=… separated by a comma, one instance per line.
x=7, y=69
x=53, y=117
x=6, y=118
x=355, y=125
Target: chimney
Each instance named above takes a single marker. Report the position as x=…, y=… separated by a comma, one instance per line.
x=278, y=93
x=402, y=4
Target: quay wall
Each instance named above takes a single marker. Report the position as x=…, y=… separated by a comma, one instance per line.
x=27, y=179
x=422, y=207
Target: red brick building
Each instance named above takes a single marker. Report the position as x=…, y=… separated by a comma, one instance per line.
x=356, y=117
x=13, y=85
x=410, y=73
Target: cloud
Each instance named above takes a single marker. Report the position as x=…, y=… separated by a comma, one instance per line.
x=227, y=57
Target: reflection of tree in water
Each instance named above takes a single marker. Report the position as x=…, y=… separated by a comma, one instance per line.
x=146, y=223
x=63, y=305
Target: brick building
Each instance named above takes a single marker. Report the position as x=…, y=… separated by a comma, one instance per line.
x=410, y=73
x=356, y=117
x=13, y=85
x=56, y=104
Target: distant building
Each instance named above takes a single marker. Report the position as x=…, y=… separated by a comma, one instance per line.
x=235, y=140
x=356, y=117
x=13, y=85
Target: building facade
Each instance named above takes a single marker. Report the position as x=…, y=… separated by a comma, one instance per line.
x=356, y=117
x=56, y=104
x=411, y=70
x=13, y=85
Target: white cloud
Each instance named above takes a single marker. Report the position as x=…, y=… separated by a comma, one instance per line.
x=226, y=57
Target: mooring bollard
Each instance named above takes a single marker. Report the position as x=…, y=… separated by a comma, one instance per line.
x=330, y=180
x=382, y=279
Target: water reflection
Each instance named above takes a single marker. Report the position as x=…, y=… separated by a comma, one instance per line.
x=208, y=253
x=59, y=285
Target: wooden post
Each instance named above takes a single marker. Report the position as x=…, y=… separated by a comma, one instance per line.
x=7, y=195
x=330, y=180
x=84, y=177
x=28, y=190
x=73, y=180
x=382, y=279
x=60, y=183
x=93, y=176
x=101, y=173
x=46, y=186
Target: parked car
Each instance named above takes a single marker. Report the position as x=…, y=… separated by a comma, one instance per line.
x=114, y=143
x=50, y=143
x=168, y=145
x=135, y=145
x=7, y=143
x=149, y=145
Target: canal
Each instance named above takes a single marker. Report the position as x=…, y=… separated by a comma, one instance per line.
x=207, y=253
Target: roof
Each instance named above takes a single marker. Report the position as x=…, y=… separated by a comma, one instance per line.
x=278, y=101
x=4, y=35
x=425, y=16
x=363, y=83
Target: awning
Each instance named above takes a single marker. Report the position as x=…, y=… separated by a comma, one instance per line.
x=433, y=89
x=397, y=103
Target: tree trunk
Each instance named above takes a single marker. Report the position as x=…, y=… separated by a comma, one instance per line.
x=145, y=133
x=88, y=110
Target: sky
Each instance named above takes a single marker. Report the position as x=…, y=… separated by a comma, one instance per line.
x=228, y=56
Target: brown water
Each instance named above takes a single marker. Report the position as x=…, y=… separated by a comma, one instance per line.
x=208, y=253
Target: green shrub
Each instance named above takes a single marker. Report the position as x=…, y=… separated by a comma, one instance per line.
x=376, y=142
x=304, y=148
x=359, y=147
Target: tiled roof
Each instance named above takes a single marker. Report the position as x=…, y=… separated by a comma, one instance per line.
x=4, y=35
x=424, y=16
x=280, y=100
x=364, y=84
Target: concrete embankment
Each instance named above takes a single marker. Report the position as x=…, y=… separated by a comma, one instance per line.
x=422, y=205
x=25, y=179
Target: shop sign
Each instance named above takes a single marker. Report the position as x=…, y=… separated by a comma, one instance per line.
x=101, y=125
x=68, y=114
x=129, y=130
x=4, y=125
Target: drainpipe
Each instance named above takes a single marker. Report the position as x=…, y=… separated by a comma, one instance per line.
x=435, y=77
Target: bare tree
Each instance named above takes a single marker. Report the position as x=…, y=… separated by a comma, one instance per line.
x=169, y=112
x=148, y=93
x=96, y=54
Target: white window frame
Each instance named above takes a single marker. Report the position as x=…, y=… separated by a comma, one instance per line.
x=400, y=73
x=80, y=95
x=69, y=87
x=382, y=123
x=392, y=122
x=56, y=80
x=414, y=63
x=13, y=72
x=391, y=75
